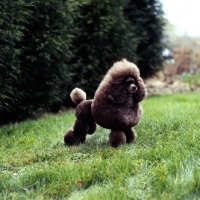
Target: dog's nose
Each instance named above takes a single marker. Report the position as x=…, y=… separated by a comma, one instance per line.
x=133, y=88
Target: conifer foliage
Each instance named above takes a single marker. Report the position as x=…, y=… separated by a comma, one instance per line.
x=47, y=42
x=147, y=18
x=13, y=16
x=33, y=62
x=103, y=36
x=48, y=47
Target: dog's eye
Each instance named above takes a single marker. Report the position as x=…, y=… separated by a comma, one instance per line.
x=130, y=80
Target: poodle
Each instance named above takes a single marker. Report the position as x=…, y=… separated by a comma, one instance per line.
x=115, y=106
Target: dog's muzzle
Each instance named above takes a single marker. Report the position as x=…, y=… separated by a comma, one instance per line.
x=132, y=88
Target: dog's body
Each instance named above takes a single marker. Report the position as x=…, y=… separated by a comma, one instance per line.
x=115, y=105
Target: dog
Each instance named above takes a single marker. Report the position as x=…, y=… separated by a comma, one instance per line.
x=115, y=106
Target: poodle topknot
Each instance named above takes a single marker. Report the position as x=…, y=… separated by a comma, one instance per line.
x=115, y=106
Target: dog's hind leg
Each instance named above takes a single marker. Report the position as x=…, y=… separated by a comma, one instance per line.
x=71, y=139
x=130, y=135
x=76, y=135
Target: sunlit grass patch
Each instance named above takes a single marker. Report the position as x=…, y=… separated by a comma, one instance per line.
x=163, y=163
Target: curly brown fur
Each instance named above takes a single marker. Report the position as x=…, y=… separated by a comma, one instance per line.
x=70, y=138
x=115, y=106
x=116, y=101
x=77, y=95
x=117, y=138
x=84, y=123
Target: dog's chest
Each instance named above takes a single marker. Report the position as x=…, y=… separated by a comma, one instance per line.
x=129, y=101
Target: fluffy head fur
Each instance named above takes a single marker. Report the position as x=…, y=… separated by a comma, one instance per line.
x=119, y=71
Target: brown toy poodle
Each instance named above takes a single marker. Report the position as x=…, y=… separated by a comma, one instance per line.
x=115, y=106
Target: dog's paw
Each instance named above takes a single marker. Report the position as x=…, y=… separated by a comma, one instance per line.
x=117, y=138
x=70, y=138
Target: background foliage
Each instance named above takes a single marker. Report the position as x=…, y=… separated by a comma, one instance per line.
x=103, y=36
x=13, y=17
x=147, y=18
x=49, y=47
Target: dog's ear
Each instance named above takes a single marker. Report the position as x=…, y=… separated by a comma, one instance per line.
x=141, y=90
x=117, y=93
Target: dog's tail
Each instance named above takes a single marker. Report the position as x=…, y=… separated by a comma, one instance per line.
x=77, y=95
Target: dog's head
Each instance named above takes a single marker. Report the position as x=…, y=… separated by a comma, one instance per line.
x=124, y=80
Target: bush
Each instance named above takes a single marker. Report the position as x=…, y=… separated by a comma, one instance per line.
x=147, y=18
x=191, y=79
x=107, y=31
x=102, y=36
x=34, y=63
x=13, y=17
x=47, y=53
x=49, y=47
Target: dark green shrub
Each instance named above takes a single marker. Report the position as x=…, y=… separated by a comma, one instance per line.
x=102, y=37
x=147, y=18
x=107, y=31
x=47, y=54
x=13, y=15
x=35, y=45
x=49, y=47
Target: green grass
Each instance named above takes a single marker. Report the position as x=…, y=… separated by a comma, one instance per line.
x=163, y=163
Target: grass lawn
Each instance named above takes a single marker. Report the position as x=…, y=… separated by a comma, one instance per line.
x=163, y=163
